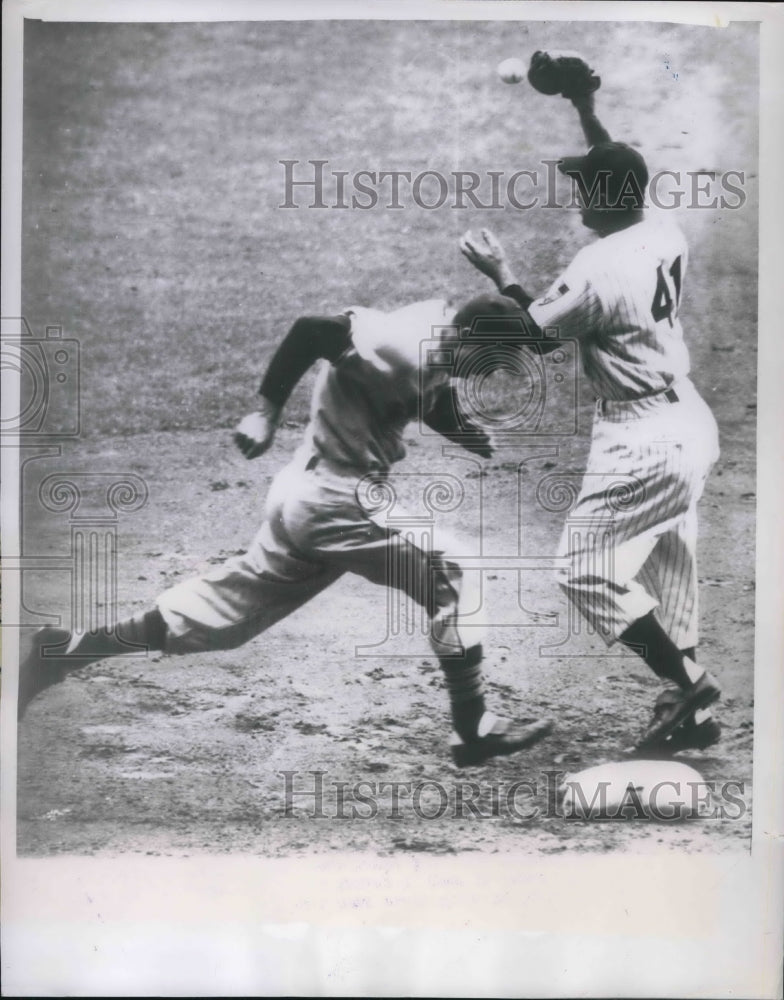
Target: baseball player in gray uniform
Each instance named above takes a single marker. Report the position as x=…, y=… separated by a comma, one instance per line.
x=632, y=568
x=316, y=527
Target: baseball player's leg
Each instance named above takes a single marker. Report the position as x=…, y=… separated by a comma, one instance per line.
x=602, y=581
x=350, y=541
x=608, y=602
x=54, y=652
x=228, y=606
x=641, y=485
x=455, y=597
x=670, y=574
x=215, y=612
x=610, y=535
x=681, y=719
x=609, y=540
x=221, y=609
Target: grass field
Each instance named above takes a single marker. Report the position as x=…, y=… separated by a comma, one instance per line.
x=153, y=234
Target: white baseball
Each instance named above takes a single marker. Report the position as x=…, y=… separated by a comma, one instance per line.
x=512, y=70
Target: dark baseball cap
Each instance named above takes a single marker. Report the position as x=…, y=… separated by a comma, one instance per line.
x=498, y=313
x=624, y=168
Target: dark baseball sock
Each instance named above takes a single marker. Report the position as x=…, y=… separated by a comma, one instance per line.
x=704, y=714
x=141, y=632
x=465, y=685
x=647, y=637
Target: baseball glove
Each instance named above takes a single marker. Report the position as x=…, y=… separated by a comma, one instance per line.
x=564, y=73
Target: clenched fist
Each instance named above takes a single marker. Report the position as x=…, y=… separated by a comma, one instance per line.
x=255, y=433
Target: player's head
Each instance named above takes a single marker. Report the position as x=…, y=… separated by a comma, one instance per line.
x=610, y=181
x=496, y=313
x=491, y=326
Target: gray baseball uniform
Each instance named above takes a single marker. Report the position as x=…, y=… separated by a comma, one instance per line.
x=322, y=519
x=316, y=527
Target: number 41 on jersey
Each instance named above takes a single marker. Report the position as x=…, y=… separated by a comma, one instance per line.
x=667, y=296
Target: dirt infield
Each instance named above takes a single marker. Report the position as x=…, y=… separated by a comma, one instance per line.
x=153, y=235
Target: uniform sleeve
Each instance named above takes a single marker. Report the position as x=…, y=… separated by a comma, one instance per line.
x=310, y=338
x=571, y=304
x=520, y=296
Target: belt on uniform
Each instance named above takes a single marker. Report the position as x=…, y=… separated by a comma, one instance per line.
x=315, y=460
x=669, y=394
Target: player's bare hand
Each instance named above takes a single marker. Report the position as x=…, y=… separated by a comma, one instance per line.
x=255, y=433
x=487, y=255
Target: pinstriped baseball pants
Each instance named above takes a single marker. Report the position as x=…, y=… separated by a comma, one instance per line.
x=314, y=531
x=631, y=536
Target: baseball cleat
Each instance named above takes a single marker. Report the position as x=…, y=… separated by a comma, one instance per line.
x=674, y=706
x=693, y=735
x=38, y=671
x=690, y=735
x=502, y=738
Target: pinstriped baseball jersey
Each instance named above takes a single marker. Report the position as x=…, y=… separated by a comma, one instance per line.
x=620, y=297
x=653, y=434
x=362, y=404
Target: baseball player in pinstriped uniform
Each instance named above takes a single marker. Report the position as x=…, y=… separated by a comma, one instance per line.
x=316, y=528
x=632, y=563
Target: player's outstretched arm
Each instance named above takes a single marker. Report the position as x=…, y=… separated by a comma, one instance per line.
x=593, y=130
x=310, y=338
x=568, y=74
